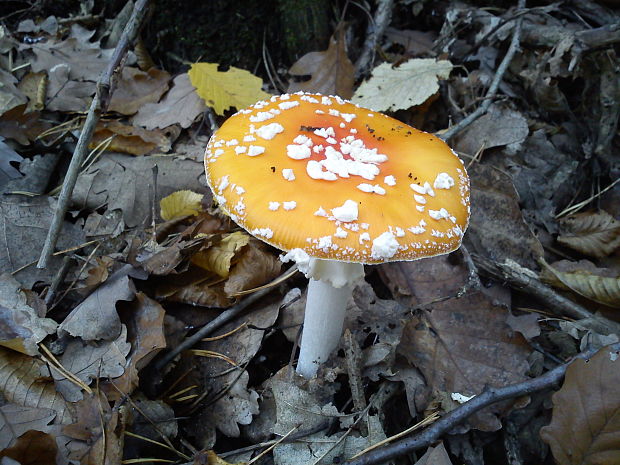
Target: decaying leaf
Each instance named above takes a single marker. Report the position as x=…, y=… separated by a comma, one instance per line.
x=398, y=88
x=445, y=342
x=585, y=428
x=96, y=317
x=63, y=94
x=121, y=182
x=180, y=204
x=85, y=60
x=331, y=71
x=596, y=234
x=10, y=95
x=15, y=420
x=499, y=126
x=218, y=257
x=222, y=90
x=34, y=86
x=496, y=228
x=435, y=456
x=24, y=222
x=602, y=289
x=145, y=326
x=33, y=447
x=130, y=139
x=21, y=125
x=21, y=329
x=21, y=384
x=89, y=361
x=7, y=170
x=181, y=105
x=136, y=88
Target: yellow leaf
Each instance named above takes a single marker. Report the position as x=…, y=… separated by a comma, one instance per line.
x=179, y=204
x=224, y=89
x=218, y=258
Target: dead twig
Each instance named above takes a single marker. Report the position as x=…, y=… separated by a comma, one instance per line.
x=457, y=416
x=98, y=105
x=497, y=79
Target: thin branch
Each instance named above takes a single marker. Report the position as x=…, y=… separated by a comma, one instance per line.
x=497, y=79
x=460, y=414
x=98, y=105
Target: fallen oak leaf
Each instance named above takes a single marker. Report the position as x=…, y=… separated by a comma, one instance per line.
x=32, y=448
x=16, y=420
x=181, y=105
x=331, y=71
x=136, y=88
x=222, y=90
x=130, y=139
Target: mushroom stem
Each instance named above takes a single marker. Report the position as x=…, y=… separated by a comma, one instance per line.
x=325, y=311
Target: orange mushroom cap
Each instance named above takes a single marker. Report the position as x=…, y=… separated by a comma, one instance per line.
x=321, y=176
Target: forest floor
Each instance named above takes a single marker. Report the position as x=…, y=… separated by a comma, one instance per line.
x=140, y=324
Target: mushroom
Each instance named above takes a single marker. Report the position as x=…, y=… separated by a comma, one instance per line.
x=336, y=186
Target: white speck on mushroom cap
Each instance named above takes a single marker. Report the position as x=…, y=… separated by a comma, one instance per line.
x=343, y=147
x=347, y=212
x=289, y=205
x=269, y=131
x=273, y=206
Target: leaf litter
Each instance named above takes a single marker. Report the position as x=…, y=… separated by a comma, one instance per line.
x=146, y=258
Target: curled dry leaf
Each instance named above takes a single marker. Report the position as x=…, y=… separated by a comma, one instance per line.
x=596, y=234
x=20, y=327
x=180, y=204
x=390, y=88
x=218, y=258
x=331, y=72
x=130, y=139
x=602, y=289
x=585, y=427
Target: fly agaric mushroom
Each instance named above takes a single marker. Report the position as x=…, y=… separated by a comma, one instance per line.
x=336, y=186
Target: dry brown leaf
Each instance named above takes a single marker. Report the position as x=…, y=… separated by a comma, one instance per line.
x=145, y=324
x=20, y=125
x=87, y=362
x=256, y=266
x=462, y=345
x=33, y=448
x=85, y=60
x=435, y=456
x=596, y=234
x=96, y=317
x=136, y=88
x=34, y=86
x=218, y=258
x=496, y=229
x=63, y=94
x=93, y=444
x=21, y=383
x=181, y=105
x=121, y=182
x=130, y=139
x=15, y=420
x=10, y=95
x=585, y=427
x=180, y=204
x=24, y=222
x=21, y=329
x=209, y=457
x=331, y=71
x=602, y=289
x=414, y=42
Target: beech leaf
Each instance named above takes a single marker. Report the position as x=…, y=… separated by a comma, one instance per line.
x=222, y=90
x=180, y=204
x=596, y=234
x=585, y=427
x=218, y=258
x=398, y=88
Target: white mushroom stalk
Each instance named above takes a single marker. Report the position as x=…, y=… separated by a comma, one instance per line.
x=329, y=290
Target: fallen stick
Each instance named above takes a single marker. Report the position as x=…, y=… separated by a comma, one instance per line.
x=460, y=414
x=98, y=105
